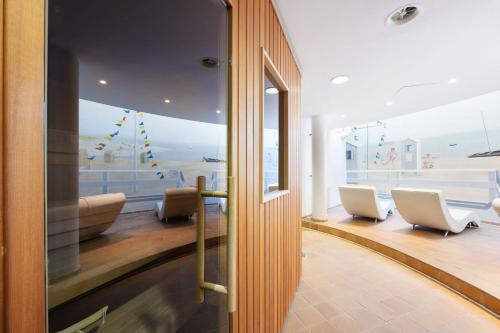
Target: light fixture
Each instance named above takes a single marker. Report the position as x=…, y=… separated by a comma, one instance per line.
x=340, y=79
x=389, y=103
x=272, y=91
x=452, y=80
x=403, y=15
x=218, y=111
x=167, y=101
x=342, y=116
x=103, y=82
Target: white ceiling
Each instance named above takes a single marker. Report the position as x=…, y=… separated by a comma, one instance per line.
x=450, y=38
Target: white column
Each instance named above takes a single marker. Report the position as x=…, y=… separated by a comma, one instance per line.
x=319, y=168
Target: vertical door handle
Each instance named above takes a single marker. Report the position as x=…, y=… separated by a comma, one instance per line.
x=203, y=285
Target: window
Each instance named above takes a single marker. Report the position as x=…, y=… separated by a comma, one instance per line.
x=453, y=147
x=274, y=131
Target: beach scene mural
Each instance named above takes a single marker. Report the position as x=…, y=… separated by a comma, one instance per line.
x=141, y=154
x=453, y=144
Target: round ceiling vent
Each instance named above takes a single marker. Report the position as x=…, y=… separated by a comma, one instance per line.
x=403, y=15
x=210, y=62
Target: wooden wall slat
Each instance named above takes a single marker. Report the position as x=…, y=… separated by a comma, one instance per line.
x=240, y=316
x=249, y=164
x=269, y=258
x=2, y=245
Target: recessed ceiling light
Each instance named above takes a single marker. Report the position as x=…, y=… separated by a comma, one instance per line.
x=103, y=82
x=452, y=80
x=342, y=116
x=217, y=111
x=167, y=101
x=389, y=103
x=272, y=91
x=340, y=79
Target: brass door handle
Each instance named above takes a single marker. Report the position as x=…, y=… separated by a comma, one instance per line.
x=203, y=285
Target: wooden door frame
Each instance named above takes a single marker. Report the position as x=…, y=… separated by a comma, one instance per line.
x=22, y=168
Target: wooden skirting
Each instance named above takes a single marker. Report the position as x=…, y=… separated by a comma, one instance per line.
x=456, y=284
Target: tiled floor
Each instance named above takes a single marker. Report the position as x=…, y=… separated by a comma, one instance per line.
x=347, y=288
x=470, y=261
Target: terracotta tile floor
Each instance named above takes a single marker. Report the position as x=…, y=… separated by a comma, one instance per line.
x=472, y=256
x=347, y=288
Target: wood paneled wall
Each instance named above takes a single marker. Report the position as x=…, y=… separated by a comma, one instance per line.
x=269, y=238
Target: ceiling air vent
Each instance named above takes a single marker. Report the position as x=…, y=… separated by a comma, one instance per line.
x=403, y=15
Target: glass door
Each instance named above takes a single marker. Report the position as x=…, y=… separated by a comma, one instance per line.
x=136, y=113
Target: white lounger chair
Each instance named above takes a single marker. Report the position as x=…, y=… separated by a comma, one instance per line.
x=362, y=200
x=428, y=208
x=177, y=202
x=496, y=206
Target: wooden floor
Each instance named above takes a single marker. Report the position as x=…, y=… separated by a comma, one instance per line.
x=162, y=298
x=468, y=262
x=347, y=288
x=133, y=241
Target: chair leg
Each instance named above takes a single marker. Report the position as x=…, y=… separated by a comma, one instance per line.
x=376, y=220
x=446, y=233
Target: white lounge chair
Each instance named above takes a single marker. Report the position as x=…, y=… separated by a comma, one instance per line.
x=496, y=206
x=428, y=208
x=177, y=202
x=362, y=200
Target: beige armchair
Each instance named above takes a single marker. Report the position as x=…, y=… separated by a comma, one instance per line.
x=94, y=215
x=177, y=202
x=428, y=208
x=98, y=213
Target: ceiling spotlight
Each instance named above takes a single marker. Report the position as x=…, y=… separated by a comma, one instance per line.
x=342, y=116
x=340, y=79
x=218, y=111
x=452, y=81
x=272, y=91
x=103, y=82
x=167, y=101
x=389, y=103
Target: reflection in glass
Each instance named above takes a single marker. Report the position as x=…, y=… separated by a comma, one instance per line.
x=271, y=137
x=136, y=110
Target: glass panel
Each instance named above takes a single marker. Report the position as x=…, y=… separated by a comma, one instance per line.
x=136, y=111
x=271, y=137
x=454, y=147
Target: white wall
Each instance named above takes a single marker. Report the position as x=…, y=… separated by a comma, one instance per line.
x=306, y=143
x=336, y=166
